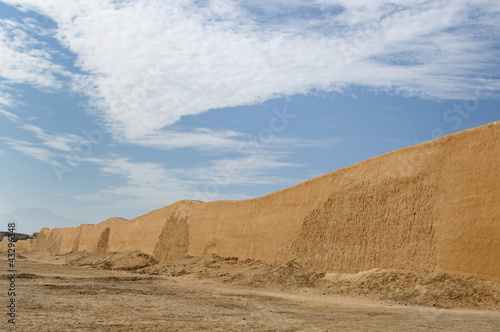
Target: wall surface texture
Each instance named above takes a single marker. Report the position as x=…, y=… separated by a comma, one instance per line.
x=430, y=207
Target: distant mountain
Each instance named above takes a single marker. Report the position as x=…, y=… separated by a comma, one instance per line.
x=32, y=220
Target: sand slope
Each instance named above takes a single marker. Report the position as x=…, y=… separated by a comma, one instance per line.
x=430, y=207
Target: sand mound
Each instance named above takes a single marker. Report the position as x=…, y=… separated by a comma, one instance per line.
x=248, y=272
x=128, y=261
x=440, y=290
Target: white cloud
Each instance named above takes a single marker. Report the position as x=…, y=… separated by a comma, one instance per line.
x=9, y=116
x=149, y=185
x=5, y=98
x=145, y=185
x=31, y=150
x=252, y=169
x=151, y=62
x=223, y=141
x=200, y=138
x=61, y=141
x=26, y=60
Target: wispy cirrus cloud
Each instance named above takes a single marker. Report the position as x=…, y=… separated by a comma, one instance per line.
x=10, y=116
x=251, y=169
x=27, y=60
x=200, y=138
x=223, y=141
x=149, y=63
x=142, y=184
x=146, y=184
x=59, y=141
x=6, y=98
x=31, y=150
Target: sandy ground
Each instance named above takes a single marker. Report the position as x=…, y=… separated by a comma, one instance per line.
x=55, y=297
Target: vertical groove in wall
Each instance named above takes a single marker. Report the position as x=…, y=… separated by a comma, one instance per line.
x=173, y=241
x=103, y=243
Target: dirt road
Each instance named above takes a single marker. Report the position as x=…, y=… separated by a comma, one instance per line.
x=53, y=297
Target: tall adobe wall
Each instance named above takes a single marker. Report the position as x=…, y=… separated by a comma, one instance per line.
x=430, y=207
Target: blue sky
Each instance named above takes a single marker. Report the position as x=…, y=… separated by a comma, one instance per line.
x=115, y=108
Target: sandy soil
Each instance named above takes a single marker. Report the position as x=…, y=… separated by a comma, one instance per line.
x=53, y=296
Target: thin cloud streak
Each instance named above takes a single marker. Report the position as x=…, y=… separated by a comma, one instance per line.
x=31, y=150
x=148, y=185
x=62, y=142
x=10, y=116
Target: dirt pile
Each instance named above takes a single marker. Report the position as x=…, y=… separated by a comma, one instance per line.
x=441, y=290
x=128, y=261
x=248, y=272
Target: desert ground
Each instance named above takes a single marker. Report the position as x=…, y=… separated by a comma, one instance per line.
x=132, y=292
